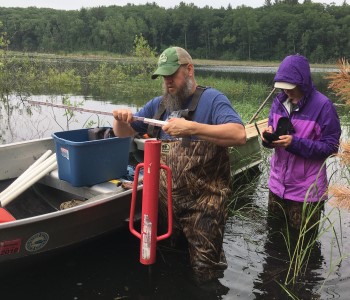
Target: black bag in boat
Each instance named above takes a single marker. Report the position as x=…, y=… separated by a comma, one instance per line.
x=100, y=133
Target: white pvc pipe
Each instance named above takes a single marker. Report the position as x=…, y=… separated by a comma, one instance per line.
x=41, y=169
x=28, y=183
x=31, y=167
x=27, y=175
x=38, y=161
x=37, y=169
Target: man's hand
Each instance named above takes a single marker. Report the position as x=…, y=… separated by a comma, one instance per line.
x=178, y=127
x=124, y=115
x=121, y=124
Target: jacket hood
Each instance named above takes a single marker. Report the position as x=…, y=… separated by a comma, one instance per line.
x=295, y=69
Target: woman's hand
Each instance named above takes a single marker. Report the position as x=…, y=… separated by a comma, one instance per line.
x=283, y=142
x=268, y=129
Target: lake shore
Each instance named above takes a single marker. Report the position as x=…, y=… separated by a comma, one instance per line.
x=101, y=56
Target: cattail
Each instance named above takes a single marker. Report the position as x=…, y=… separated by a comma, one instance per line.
x=340, y=81
x=340, y=84
x=341, y=196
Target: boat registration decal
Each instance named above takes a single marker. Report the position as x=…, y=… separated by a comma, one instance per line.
x=37, y=241
x=10, y=247
x=65, y=152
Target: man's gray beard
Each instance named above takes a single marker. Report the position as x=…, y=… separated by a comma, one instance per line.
x=175, y=102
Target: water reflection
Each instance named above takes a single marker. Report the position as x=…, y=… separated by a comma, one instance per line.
x=20, y=121
x=259, y=259
x=271, y=282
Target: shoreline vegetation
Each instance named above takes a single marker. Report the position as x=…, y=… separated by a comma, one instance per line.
x=111, y=57
x=121, y=79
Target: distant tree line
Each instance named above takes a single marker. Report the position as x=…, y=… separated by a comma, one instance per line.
x=318, y=31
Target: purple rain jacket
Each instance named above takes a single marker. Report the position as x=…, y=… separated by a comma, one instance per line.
x=298, y=172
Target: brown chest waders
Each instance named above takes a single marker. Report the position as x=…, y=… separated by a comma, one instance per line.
x=200, y=190
x=201, y=186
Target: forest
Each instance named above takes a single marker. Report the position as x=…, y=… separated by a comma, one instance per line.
x=267, y=33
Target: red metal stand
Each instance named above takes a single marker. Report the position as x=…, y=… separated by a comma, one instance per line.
x=150, y=193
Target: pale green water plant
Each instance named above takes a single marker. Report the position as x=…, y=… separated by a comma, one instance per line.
x=309, y=234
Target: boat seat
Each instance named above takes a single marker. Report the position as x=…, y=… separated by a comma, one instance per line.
x=251, y=129
x=53, y=180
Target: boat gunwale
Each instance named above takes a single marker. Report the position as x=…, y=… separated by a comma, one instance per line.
x=14, y=144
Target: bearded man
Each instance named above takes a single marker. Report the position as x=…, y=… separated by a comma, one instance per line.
x=201, y=125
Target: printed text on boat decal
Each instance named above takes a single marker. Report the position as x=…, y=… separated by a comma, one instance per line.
x=10, y=247
x=37, y=241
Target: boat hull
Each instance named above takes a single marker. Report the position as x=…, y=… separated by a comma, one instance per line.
x=44, y=227
x=55, y=230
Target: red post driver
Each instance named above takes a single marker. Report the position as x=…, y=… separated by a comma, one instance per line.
x=150, y=193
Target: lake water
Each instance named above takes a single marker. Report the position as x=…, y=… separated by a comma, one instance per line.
x=109, y=267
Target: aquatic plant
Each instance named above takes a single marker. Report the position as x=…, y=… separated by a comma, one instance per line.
x=341, y=190
x=340, y=84
x=340, y=81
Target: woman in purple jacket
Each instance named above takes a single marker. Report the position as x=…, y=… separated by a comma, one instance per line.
x=304, y=130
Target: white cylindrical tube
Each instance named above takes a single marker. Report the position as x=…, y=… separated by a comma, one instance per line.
x=20, y=189
x=28, y=176
x=24, y=174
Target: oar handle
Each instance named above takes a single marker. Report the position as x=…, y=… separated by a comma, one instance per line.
x=261, y=106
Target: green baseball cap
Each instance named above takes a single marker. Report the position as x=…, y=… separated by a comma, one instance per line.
x=170, y=60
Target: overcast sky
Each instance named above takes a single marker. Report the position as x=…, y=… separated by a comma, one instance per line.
x=77, y=4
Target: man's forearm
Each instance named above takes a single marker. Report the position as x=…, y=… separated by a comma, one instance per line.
x=223, y=135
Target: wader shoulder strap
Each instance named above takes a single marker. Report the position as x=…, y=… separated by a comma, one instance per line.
x=188, y=113
x=153, y=131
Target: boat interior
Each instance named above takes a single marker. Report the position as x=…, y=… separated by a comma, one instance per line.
x=51, y=194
